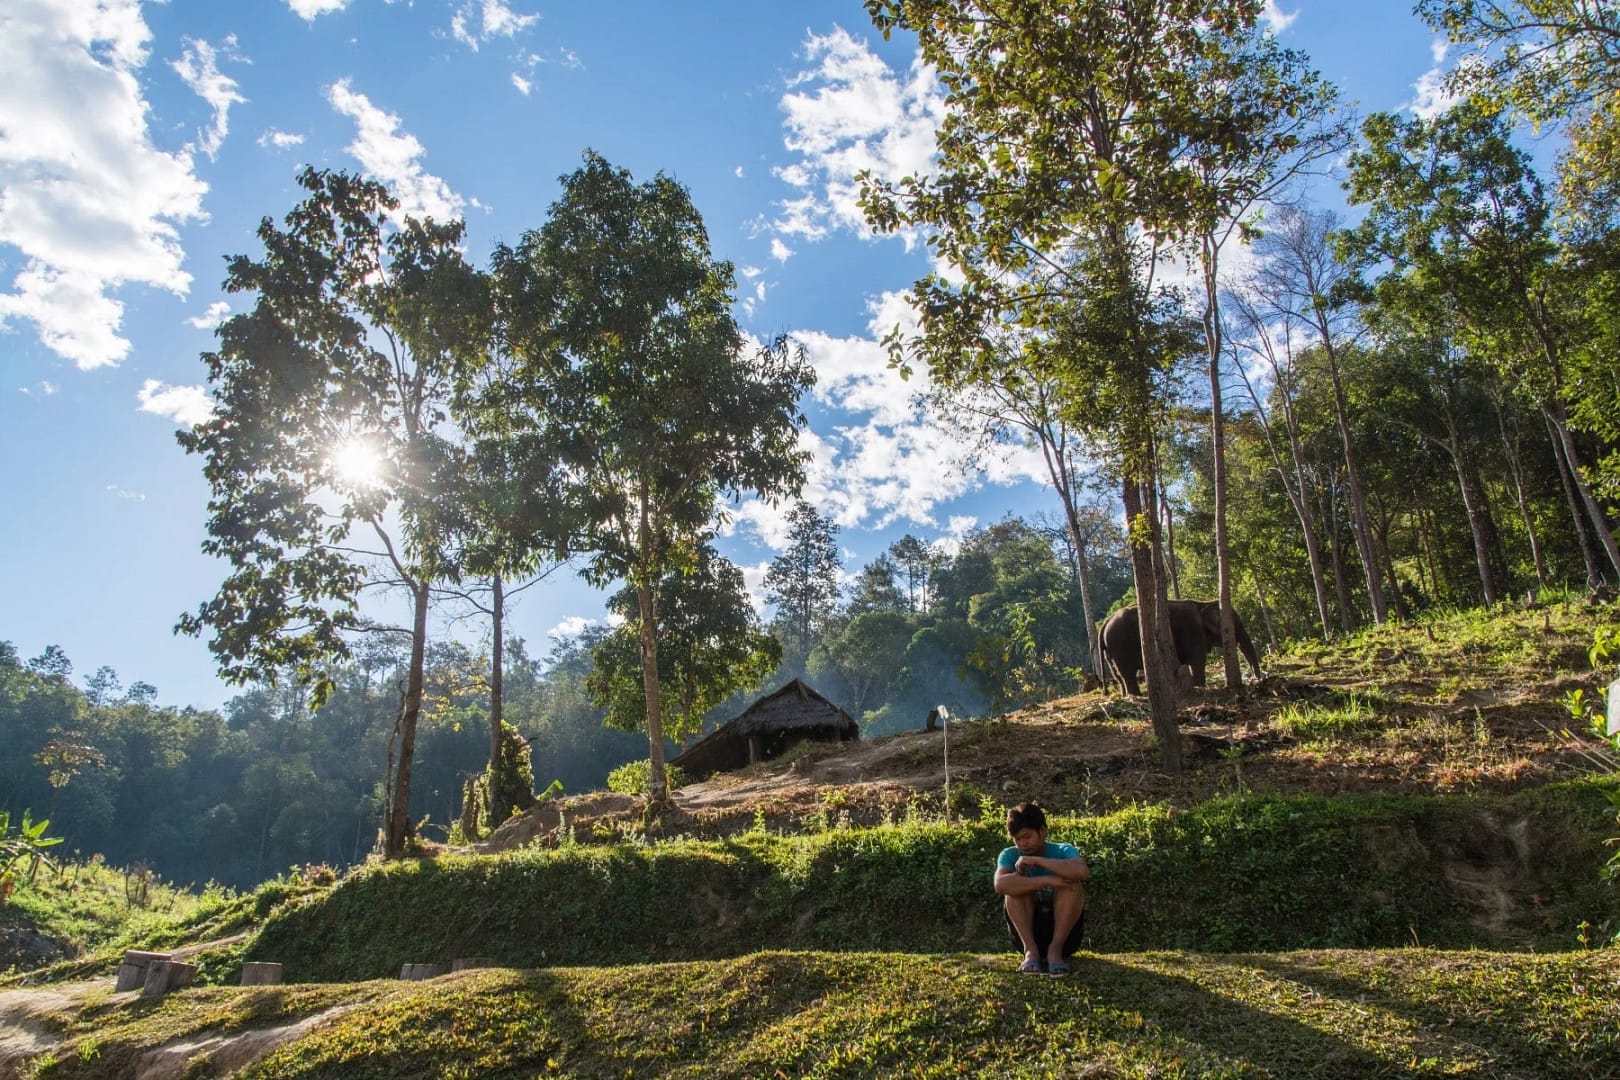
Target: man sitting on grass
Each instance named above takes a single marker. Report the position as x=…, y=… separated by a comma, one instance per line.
x=1039, y=883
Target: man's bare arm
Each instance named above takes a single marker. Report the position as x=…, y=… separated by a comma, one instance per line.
x=1010, y=882
x=1070, y=870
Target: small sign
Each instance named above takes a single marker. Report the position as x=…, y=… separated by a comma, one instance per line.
x=1614, y=708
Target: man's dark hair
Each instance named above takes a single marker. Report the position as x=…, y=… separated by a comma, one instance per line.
x=1025, y=816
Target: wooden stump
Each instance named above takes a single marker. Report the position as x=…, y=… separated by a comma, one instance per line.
x=132, y=972
x=165, y=976
x=418, y=972
x=255, y=973
x=467, y=963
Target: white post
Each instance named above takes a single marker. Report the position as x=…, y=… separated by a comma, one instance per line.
x=945, y=725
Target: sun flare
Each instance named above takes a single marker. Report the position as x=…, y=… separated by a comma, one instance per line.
x=357, y=463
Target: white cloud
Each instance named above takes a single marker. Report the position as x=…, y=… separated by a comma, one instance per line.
x=199, y=67
x=1431, y=98
x=754, y=585
x=475, y=23
x=1275, y=19
x=738, y=171
x=888, y=460
x=46, y=388
x=780, y=251
x=390, y=155
x=861, y=115
x=523, y=85
x=85, y=198
x=188, y=405
x=308, y=9
x=280, y=140
x=211, y=318
x=129, y=496
x=572, y=626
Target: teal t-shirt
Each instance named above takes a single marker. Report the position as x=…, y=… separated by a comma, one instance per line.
x=1009, y=858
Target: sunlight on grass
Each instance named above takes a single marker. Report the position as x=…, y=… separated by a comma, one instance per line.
x=1326, y=724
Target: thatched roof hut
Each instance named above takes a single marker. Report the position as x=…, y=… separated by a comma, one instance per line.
x=767, y=728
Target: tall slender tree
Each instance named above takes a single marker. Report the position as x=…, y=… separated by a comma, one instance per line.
x=803, y=581
x=633, y=377
x=331, y=407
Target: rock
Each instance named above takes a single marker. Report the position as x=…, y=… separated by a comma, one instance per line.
x=257, y=973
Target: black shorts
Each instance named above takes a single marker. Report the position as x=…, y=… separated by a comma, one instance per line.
x=1043, y=930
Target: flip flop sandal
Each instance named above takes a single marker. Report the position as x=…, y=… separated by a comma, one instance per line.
x=1031, y=967
x=1058, y=971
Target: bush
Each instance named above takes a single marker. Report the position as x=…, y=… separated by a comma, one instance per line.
x=633, y=777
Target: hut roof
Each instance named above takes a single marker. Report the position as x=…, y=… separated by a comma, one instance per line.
x=794, y=706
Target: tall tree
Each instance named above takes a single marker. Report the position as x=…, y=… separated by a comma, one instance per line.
x=1271, y=119
x=331, y=403
x=1024, y=405
x=1061, y=173
x=1274, y=346
x=639, y=385
x=802, y=582
x=916, y=563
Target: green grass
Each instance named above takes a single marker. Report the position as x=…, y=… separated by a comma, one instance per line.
x=1326, y=725
x=1416, y=1012
x=1240, y=873
x=91, y=905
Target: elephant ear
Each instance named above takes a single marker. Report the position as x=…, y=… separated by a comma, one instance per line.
x=1209, y=613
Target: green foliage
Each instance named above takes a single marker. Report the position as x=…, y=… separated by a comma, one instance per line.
x=631, y=386
x=510, y=778
x=710, y=646
x=1256, y=872
x=28, y=843
x=802, y=582
x=635, y=778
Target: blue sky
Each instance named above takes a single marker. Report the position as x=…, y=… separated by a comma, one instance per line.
x=140, y=143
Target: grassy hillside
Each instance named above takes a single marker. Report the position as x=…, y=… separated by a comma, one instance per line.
x=1277, y=909
x=1413, y=1012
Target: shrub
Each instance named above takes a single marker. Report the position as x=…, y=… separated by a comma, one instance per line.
x=634, y=777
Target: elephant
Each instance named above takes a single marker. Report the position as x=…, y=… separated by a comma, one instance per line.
x=1194, y=624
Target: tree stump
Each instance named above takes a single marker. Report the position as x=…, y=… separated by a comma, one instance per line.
x=255, y=973
x=132, y=972
x=467, y=963
x=165, y=976
x=418, y=972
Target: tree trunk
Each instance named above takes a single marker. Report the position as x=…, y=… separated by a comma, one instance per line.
x=647, y=602
x=1359, y=525
x=1158, y=650
x=1265, y=609
x=1473, y=500
x=1217, y=431
x=1594, y=566
x=398, y=833
x=1341, y=591
x=1166, y=552
x=1516, y=473
x=1572, y=457
x=1083, y=572
x=496, y=669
